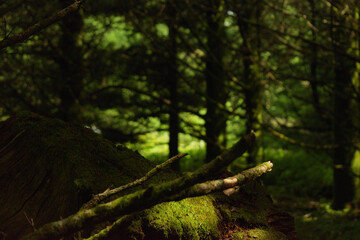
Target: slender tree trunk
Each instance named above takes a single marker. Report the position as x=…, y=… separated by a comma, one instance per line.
x=70, y=65
x=356, y=114
x=249, y=11
x=313, y=61
x=174, y=123
x=215, y=119
x=343, y=131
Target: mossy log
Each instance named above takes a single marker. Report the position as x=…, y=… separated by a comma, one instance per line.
x=49, y=169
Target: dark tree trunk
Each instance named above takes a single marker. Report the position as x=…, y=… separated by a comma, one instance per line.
x=215, y=119
x=248, y=11
x=343, y=131
x=174, y=123
x=313, y=61
x=356, y=114
x=343, y=134
x=70, y=65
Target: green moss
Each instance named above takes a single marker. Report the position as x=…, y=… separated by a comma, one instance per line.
x=259, y=234
x=135, y=230
x=193, y=218
x=251, y=205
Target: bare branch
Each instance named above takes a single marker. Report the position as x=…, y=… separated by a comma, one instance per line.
x=21, y=37
x=228, y=185
x=108, y=193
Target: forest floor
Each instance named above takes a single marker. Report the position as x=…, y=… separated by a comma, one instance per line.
x=315, y=220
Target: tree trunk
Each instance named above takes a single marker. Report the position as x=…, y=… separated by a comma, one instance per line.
x=248, y=11
x=215, y=119
x=343, y=131
x=70, y=65
x=356, y=115
x=172, y=78
x=313, y=60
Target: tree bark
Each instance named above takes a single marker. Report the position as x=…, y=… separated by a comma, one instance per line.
x=247, y=12
x=70, y=64
x=343, y=131
x=172, y=79
x=215, y=119
x=313, y=63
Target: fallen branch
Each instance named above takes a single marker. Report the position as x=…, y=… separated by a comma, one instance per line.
x=229, y=185
x=141, y=199
x=108, y=193
x=21, y=37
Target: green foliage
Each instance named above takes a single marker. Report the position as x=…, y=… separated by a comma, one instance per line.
x=299, y=173
x=113, y=30
x=157, y=150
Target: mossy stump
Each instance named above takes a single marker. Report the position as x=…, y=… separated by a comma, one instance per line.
x=49, y=169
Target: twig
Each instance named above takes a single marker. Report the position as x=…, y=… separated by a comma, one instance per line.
x=107, y=193
x=21, y=37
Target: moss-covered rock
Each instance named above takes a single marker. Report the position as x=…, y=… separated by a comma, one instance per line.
x=192, y=218
x=49, y=168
